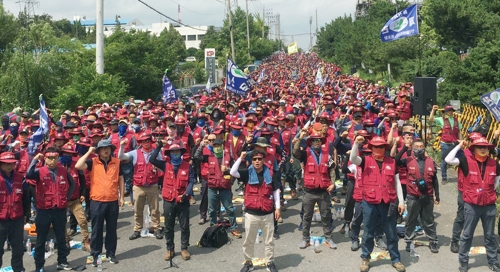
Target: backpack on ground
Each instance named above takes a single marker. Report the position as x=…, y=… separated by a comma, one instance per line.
x=215, y=236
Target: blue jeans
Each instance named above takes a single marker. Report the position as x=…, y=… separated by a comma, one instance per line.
x=372, y=214
x=225, y=196
x=444, y=150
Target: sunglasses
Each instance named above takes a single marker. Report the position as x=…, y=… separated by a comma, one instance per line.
x=316, y=140
x=379, y=147
x=257, y=159
x=211, y=140
x=394, y=119
x=146, y=141
x=481, y=147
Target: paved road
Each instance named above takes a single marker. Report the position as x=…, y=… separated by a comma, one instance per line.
x=146, y=254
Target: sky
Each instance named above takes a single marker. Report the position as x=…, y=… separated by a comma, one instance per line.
x=294, y=14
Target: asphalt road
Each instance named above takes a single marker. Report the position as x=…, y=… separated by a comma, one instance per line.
x=146, y=254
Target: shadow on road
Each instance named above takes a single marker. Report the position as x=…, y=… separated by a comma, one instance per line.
x=288, y=261
x=137, y=252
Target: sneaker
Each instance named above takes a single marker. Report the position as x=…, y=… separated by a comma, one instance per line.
x=494, y=267
x=381, y=244
x=135, y=235
x=202, y=221
x=355, y=246
x=463, y=267
x=331, y=243
x=304, y=244
x=94, y=262
x=112, y=259
x=444, y=181
x=282, y=205
x=276, y=235
x=365, y=265
x=185, y=255
x=158, y=234
x=300, y=226
x=192, y=201
x=433, y=247
x=169, y=254
x=399, y=267
x=236, y=233
x=454, y=247
x=271, y=267
x=64, y=266
x=247, y=267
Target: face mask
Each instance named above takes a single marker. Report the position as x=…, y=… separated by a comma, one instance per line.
x=295, y=111
x=136, y=127
x=329, y=107
x=378, y=154
x=216, y=115
x=316, y=148
x=480, y=158
x=236, y=133
x=253, y=105
x=76, y=137
x=218, y=152
x=188, y=108
x=65, y=160
x=201, y=122
x=122, y=129
x=176, y=159
x=81, y=149
x=418, y=152
x=13, y=130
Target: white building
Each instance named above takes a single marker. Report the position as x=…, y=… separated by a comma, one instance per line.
x=192, y=35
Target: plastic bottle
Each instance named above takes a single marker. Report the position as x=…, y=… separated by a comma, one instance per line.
x=347, y=230
x=414, y=256
x=335, y=214
x=259, y=233
x=84, y=205
x=32, y=252
x=28, y=245
x=99, y=263
x=51, y=246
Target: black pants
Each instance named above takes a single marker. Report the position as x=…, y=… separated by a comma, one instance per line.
x=417, y=207
x=324, y=204
x=72, y=222
x=349, y=202
x=102, y=211
x=204, y=199
x=43, y=220
x=458, y=224
x=197, y=170
x=172, y=210
x=14, y=230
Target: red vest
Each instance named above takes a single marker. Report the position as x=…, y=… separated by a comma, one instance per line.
x=415, y=176
x=379, y=183
x=115, y=140
x=76, y=178
x=317, y=175
x=198, y=133
x=403, y=170
x=259, y=196
x=476, y=189
x=234, y=150
x=460, y=174
x=449, y=134
x=357, y=194
x=145, y=174
x=406, y=112
x=185, y=138
x=24, y=162
x=215, y=177
x=50, y=193
x=175, y=185
x=269, y=159
x=11, y=205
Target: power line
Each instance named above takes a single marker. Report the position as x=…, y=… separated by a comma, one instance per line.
x=195, y=11
x=301, y=34
x=169, y=17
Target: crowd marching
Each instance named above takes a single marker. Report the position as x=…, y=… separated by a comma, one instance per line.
x=289, y=131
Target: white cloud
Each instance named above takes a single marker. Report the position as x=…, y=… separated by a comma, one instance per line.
x=294, y=14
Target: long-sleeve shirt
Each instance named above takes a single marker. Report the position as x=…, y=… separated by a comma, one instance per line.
x=161, y=164
x=34, y=174
x=421, y=165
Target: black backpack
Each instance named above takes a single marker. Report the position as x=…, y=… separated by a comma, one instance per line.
x=215, y=236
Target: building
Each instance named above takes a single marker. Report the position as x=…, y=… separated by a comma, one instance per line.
x=111, y=24
x=192, y=35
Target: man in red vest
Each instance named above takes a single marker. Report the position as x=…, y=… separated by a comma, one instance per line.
x=451, y=128
x=262, y=206
x=177, y=188
x=145, y=183
x=481, y=175
x=14, y=210
x=381, y=191
x=421, y=187
x=54, y=187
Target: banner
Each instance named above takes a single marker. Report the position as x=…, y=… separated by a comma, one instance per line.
x=169, y=93
x=208, y=87
x=37, y=137
x=261, y=77
x=236, y=81
x=492, y=102
x=292, y=48
x=319, y=77
x=403, y=24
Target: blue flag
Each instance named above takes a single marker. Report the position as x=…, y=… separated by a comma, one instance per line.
x=169, y=93
x=492, y=101
x=261, y=77
x=37, y=137
x=403, y=24
x=236, y=81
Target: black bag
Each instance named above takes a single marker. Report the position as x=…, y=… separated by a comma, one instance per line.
x=215, y=236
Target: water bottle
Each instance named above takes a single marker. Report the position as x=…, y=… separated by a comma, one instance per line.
x=28, y=246
x=32, y=252
x=316, y=243
x=222, y=209
x=99, y=263
x=414, y=255
x=51, y=246
x=257, y=238
x=335, y=214
x=84, y=205
x=347, y=230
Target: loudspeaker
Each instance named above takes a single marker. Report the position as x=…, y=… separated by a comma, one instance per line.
x=424, y=91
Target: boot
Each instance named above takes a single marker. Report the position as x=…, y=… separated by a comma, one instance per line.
x=169, y=254
x=294, y=194
x=185, y=254
x=365, y=265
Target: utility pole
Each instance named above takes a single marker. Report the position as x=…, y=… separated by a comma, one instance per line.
x=263, y=20
x=316, y=26
x=99, y=54
x=278, y=27
x=230, y=29
x=310, y=33
x=248, y=32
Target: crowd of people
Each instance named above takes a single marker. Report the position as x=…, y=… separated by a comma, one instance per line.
x=289, y=131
